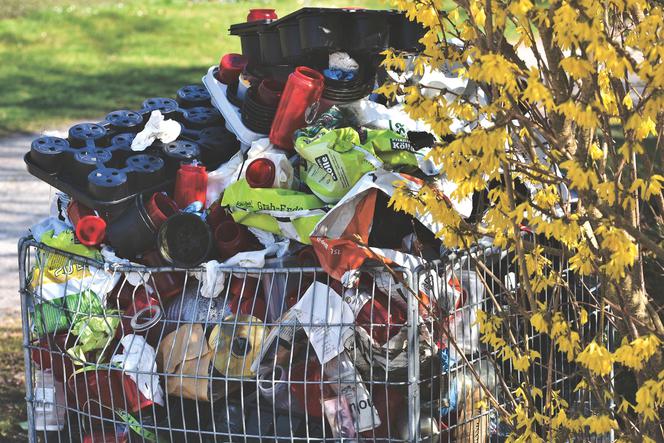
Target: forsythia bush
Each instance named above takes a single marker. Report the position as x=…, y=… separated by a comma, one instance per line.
x=566, y=126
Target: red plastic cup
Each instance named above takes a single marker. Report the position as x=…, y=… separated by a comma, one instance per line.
x=382, y=323
x=52, y=354
x=190, y=185
x=230, y=67
x=141, y=315
x=91, y=230
x=216, y=216
x=231, y=238
x=261, y=173
x=307, y=378
x=269, y=92
x=261, y=14
x=100, y=392
x=159, y=207
x=303, y=90
x=167, y=284
x=242, y=292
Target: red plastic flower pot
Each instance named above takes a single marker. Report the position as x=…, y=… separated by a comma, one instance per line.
x=261, y=14
x=242, y=293
x=261, y=173
x=216, y=216
x=106, y=436
x=230, y=67
x=76, y=211
x=101, y=392
x=269, y=92
x=307, y=388
x=231, y=238
x=159, y=207
x=142, y=314
x=388, y=403
x=166, y=284
x=91, y=230
x=52, y=354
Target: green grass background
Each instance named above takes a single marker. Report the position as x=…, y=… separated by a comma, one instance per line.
x=70, y=60
x=67, y=60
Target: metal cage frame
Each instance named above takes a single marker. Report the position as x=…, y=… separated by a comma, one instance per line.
x=441, y=382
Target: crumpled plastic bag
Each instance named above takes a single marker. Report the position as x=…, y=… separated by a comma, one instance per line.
x=343, y=62
x=341, y=238
x=139, y=360
x=234, y=169
x=395, y=151
x=288, y=213
x=213, y=280
x=334, y=162
x=262, y=148
x=55, y=275
x=94, y=331
x=157, y=128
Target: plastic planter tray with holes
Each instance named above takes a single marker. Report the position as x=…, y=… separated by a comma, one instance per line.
x=231, y=113
x=96, y=166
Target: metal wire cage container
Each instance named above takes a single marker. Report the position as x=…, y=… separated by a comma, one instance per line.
x=121, y=352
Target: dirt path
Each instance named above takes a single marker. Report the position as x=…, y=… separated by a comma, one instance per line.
x=24, y=200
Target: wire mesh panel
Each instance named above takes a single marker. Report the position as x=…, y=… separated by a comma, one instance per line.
x=121, y=352
x=472, y=380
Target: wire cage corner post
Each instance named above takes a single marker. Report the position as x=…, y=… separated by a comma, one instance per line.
x=26, y=301
x=413, y=360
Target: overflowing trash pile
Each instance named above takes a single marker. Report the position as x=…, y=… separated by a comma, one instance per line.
x=190, y=210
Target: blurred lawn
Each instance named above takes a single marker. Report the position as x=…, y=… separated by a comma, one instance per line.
x=80, y=59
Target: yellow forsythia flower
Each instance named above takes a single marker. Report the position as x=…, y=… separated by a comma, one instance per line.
x=600, y=424
x=635, y=354
x=596, y=358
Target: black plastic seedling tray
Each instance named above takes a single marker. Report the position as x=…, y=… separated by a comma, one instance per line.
x=96, y=166
x=293, y=38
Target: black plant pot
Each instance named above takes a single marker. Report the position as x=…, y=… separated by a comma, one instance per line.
x=184, y=240
x=48, y=152
x=322, y=29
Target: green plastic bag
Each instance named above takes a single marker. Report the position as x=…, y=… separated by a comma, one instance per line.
x=396, y=151
x=334, y=162
x=285, y=212
x=58, y=314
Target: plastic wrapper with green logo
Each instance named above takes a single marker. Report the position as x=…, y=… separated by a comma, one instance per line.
x=334, y=162
x=56, y=315
x=285, y=212
x=396, y=152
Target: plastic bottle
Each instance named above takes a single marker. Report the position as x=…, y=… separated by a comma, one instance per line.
x=261, y=173
x=303, y=90
x=49, y=402
x=190, y=184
